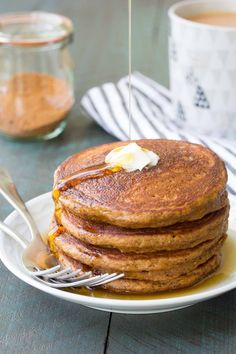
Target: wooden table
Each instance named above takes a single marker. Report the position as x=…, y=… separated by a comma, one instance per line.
x=32, y=322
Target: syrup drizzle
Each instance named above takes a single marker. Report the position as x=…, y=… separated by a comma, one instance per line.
x=93, y=172
x=97, y=171
x=130, y=65
x=57, y=231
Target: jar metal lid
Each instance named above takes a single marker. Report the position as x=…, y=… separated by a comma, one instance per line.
x=31, y=29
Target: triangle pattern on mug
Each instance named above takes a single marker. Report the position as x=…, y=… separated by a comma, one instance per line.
x=200, y=99
x=173, y=51
x=180, y=112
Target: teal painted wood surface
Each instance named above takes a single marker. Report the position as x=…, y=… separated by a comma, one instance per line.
x=32, y=322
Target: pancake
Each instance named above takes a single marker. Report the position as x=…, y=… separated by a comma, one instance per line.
x=163, y=227
x=184, y=281
x=176, y=237
x=125, y=285
x=114, y=260
x=154, y=275
x=188, y=183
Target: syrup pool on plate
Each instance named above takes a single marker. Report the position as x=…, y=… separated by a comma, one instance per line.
x=227, y=269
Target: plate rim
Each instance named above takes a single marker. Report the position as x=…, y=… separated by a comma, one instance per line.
x=104, y=302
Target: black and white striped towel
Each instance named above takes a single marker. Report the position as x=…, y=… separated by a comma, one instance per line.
x=152, y=117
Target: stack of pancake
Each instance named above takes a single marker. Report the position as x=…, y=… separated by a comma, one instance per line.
x=163, y=227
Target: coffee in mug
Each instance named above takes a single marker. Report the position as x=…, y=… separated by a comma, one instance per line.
x=227, y=19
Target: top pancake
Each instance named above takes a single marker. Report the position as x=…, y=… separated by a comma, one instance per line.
x=188, y=182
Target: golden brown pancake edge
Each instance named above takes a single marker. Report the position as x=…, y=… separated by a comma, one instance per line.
x=188, y=183
x=132, y=286
x=175, y=237
x=116, y=261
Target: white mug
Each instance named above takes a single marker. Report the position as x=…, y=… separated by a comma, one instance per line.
x=202, y=61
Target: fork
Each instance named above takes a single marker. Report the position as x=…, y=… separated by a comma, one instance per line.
x=39, y=262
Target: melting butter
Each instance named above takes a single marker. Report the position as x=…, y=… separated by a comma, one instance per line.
x=132, y=157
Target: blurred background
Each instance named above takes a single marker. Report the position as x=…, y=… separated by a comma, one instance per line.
x=100, y=53
x=100, y=47
x=30, y=322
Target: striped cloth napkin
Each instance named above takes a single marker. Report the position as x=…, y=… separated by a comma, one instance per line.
x=152, y=117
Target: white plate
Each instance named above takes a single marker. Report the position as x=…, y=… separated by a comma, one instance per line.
x=42, y=207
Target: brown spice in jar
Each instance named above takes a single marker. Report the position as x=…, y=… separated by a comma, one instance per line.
x=33, y=104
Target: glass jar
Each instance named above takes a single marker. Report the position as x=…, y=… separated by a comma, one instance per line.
x=36, y=74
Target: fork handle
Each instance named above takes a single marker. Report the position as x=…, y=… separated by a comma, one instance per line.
x=9, y=192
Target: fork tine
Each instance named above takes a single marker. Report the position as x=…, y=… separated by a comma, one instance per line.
x=71, y=280
x=70, y=275
x=85, y=282
x=85, y=275
x=66, y=285
x=114, y=276
x=57, y=274
x=102, y=277
x=65, y=278
x=44, y=272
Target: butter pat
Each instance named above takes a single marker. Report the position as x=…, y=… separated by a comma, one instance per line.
x=131, y=157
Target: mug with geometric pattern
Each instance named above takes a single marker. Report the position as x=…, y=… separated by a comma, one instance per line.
x=202, y=65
